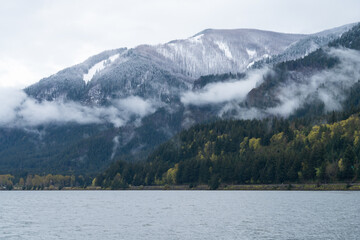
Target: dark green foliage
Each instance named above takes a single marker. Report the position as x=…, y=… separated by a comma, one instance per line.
x=82, y=149
x=234, y=152
x=214, y=182
x=66, y=149
x=347, y=171
x=318, y=59
x=204, y=80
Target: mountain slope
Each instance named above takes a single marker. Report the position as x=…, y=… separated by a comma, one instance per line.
x=159, y=71
x=247, y=151
x=322, y=79
x=127, y=101
x=68, y=83
x=306, y=45
x=220, y=51
x=270, y=150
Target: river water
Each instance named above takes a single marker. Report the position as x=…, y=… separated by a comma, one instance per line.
x=179, y=215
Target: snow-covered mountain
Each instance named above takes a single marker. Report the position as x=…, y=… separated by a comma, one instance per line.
x=305, y=45
x=220, y=51
x=124, y=102
x=161, y=71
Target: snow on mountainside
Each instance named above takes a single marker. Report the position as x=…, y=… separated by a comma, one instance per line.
x=124, y=102
x=219, y=51
x=98, y=67
x=69, y=83
x=137, y=72
x=161, y=72
x=305, y=45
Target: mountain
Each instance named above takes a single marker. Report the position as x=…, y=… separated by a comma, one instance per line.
x=122, y=103
x=166, y=67
x=160, y=70
x=220, y=51
x=305, y=45
x=319, y=142
x=321, y=81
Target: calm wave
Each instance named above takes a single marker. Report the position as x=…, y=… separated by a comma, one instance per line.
x=179, y=215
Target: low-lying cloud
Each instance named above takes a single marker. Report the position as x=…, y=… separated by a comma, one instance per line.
x=222, y=92
x=328, y=86
x=135, y=105
x=19, y=110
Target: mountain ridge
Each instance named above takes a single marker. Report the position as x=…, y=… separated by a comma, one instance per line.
x=171, y=62
x=139, y=99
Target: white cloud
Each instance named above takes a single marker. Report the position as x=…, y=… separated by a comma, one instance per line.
x=328, y=85
x=136, y=105
x=19, y=110
x=241, y=112
x=10, y=100
x=224, y=91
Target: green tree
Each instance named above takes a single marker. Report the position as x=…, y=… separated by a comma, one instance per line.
x=347, y=169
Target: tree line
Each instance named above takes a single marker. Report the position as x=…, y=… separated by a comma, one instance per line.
x=248, y=151
x=37, y=182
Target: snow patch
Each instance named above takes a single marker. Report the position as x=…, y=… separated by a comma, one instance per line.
x=116, y=145
x=196, y=39
x=98, y=67
x=225, y=48
x=251, y=53
x=250, y=64
x=114, y=57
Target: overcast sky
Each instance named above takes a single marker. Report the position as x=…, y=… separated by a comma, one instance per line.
x=39, y=38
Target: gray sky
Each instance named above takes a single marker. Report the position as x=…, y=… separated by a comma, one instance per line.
x=39, y=38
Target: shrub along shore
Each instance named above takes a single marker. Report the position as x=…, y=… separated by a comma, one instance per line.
x=241, y=187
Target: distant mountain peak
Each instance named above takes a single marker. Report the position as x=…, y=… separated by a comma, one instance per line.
x=124, y=102
x=155, y=71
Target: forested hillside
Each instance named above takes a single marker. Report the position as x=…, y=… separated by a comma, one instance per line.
x=251, y=151
x=317, y=142
x=131, y=106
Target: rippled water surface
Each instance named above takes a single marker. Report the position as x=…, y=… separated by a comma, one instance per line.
x=179, y=215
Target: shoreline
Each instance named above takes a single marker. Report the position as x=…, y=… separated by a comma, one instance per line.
x=238, y=187
x=257, y=187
